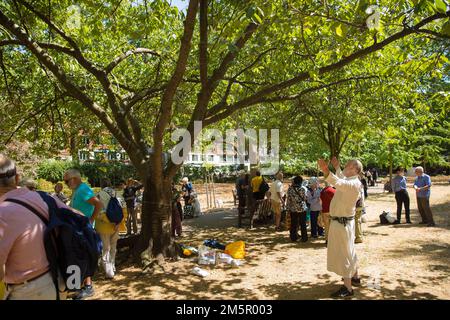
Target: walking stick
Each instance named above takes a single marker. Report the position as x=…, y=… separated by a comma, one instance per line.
x=207, y=191
x=213, y=190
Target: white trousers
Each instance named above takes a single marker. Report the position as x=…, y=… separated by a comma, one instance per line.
x=109, y=248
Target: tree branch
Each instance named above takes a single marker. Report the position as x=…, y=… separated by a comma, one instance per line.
x=317, y=88
x=254, y=62
x=72, y=89
x=99, y=74
x=44, y=18
x=126, y=54
x=203, y=47
x=433, y=33
x=360, y=26
x=44, y=45
x=256, y=98
x=174, y=82
x=219, y=73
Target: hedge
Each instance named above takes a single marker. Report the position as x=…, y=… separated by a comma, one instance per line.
x=95, y=171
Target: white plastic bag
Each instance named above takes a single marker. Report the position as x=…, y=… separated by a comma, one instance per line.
x=224, y=258
x=390, y=217
x=206, y=255
x=200, y=272
x=237, y=262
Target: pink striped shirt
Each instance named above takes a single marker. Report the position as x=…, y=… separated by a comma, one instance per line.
x=21, y=236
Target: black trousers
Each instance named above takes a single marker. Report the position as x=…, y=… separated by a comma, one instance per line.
x=241, y=208
x=258, y=195
x=402, y=197
x=298, y=219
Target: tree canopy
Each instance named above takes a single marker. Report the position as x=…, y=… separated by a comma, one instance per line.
x=140, y=69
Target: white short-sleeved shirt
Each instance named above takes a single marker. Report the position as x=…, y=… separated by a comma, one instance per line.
x=276, y=186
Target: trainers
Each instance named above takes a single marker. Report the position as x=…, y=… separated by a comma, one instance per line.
x=397, y=222
x=343, y=292
x=87, y=291
x=408, y=221
x=431, y=224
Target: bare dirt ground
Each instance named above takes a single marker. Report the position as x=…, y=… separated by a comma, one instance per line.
x=396, y=262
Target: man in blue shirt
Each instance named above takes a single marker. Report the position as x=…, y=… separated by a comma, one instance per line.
x=401, y=194
x=85, y=201
x=422, y=186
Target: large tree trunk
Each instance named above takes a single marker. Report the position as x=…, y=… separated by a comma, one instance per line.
x=155, y=242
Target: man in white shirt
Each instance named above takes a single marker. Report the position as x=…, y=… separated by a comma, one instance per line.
x=341, y=255
x=276, y=196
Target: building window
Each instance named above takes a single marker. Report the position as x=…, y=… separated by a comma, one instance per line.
x=85, y=140
x=195, y=158
x=211, y=158
x=123, y=156
x=112, y=155
x=230, y=159
x=83, y=155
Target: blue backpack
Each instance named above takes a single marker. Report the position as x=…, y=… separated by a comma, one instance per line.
x=114, y=211
x=69, y=240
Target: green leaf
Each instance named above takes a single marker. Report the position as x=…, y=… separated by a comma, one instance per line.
x=441, y=6
x=257, y=18
x=446, y=28
x=339, y=31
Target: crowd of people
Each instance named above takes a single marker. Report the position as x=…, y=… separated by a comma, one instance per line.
x=334, y=211
x=24, y=267
x=333, y=207
x=304, y=205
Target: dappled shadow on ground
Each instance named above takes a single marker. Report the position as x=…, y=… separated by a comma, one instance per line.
x=440, y=215
x=136, y=284
x=275, y=269
x=174, y=285
x=438, y=253
x=261, y=241
x=404, y=289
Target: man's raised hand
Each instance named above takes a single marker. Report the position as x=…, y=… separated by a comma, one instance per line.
x=335, y=162
x=323, y=165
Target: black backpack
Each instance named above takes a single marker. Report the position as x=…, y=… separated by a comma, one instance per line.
x=69, y=240
x=264, y=187
x=383, y=219
x=114, y=211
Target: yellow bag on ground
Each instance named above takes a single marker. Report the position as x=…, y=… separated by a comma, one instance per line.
x=2, y=291
x=236, y=249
